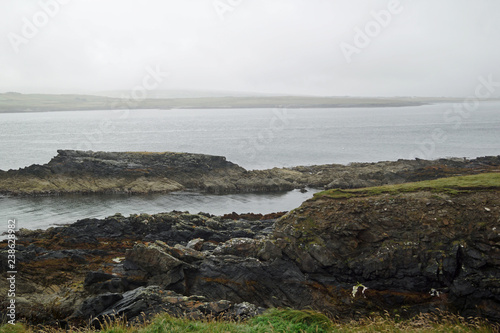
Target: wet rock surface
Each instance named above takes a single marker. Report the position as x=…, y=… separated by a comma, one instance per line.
x=403, y=253
x=145, y=172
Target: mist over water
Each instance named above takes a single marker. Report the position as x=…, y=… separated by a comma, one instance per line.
x=256, y=138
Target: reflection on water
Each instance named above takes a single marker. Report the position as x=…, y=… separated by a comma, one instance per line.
x=43, y=212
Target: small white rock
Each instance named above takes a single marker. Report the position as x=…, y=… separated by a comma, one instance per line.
x=487, y=209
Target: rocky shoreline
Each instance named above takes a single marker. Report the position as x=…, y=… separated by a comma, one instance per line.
x=405, y=253
x=144, y=172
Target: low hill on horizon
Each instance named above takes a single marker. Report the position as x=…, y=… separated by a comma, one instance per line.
x=17, y=102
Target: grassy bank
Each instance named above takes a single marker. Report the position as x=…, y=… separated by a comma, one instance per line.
x=285, y=320
x=451, y=185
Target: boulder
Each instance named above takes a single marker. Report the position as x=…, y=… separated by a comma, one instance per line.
x=152, y=258
x=195, y=244
x=243, y=247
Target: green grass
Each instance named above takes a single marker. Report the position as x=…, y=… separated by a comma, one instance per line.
x=289, y=320
x=284, y=320
x=451, y=185
x=17, y=328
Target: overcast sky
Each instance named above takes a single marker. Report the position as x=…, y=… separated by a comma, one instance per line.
x=425, y=47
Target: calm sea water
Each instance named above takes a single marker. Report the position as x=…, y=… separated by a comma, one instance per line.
x=42, y=212
x=257, y=138
x=252, y=138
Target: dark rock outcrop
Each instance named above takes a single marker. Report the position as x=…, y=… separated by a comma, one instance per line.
x=416, y=247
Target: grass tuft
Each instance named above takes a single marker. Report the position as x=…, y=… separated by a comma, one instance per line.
x=281, y=320
x=17, y=328
x=289, y=320
x=450, y=185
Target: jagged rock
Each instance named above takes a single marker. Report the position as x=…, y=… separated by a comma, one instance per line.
x=152, y=258
x=269, y=251
x=162, y=267
x=181, y=252
x=145, y=300
x=245, y=247
x=247, y=310
x=95, y=305
x=195, y=244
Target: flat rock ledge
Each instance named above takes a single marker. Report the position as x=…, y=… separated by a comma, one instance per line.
x=146, y=172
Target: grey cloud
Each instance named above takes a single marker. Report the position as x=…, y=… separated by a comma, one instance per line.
x=432, y=48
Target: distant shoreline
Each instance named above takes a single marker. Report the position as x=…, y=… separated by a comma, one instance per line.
x=333, y=106
x=27, y=103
